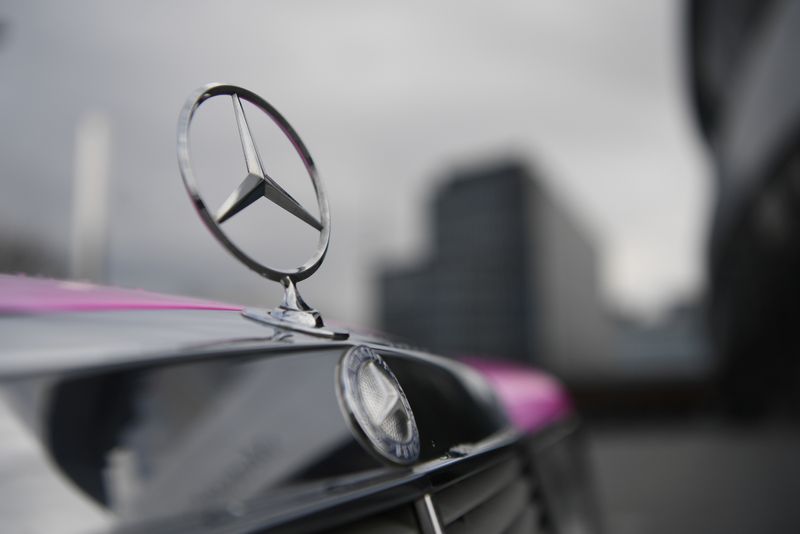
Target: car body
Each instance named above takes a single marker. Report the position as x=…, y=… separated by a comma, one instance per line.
x=161, y=414
x=148, y=413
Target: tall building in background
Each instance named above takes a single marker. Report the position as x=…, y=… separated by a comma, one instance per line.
x=511, y=276
x=88, y=251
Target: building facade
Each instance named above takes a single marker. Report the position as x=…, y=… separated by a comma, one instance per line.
x=511, y=276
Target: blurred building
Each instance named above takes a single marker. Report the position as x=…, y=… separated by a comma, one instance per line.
x=743, y=67
x=511, y=276
x=673, y=348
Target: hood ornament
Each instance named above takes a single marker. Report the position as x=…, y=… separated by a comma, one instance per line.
x=293, y=312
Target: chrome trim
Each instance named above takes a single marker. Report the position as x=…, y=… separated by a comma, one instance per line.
x=293, y=312
x=426, y=514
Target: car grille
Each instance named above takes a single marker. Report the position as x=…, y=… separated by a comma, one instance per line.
x=401, y=520
x=497, y=498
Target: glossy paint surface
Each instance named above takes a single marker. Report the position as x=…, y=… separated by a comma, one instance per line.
x=532, y=399
x=189, y=416
x=22, y=294
x=257, y=435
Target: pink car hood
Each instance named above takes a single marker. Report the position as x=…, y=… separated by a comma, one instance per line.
x=22, y=294
x=532, y=399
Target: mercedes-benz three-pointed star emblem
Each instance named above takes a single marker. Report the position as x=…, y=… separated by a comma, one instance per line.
x=377, y=408
x=293, y=312
x=258, y=184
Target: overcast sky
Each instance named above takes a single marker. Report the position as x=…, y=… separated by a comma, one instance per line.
x=388, y=97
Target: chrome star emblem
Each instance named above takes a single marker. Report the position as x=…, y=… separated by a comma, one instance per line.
x=258, y=184
x=293, y=312
x=373, y=401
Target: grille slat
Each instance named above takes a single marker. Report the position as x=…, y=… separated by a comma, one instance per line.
x=526, y=523
x=499, y=496
x=397, y=521
x=496, y=514
x=458, y=500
